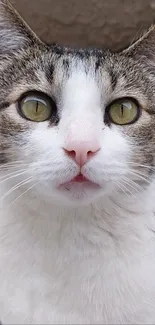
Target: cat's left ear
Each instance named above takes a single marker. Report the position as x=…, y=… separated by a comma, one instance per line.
x=144, y=47
x=14, y=32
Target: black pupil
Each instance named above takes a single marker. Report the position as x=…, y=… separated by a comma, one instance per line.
x=122, y=108
x=37, y=104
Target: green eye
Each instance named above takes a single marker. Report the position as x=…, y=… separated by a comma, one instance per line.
x=123, y=111
x=36, y=107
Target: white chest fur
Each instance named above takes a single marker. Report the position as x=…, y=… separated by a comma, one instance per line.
x=71, y=267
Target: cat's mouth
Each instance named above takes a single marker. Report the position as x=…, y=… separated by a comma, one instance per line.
x=80, y=179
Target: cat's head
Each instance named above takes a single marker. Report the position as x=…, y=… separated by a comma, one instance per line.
x=77, y=123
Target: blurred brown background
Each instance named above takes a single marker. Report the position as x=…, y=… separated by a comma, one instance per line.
x=100, y=23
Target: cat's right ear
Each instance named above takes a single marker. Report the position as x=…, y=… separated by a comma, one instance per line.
x=14, y=32
x=144, y=47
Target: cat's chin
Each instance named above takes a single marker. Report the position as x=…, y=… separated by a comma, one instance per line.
x=70, y=194
x=73, y=193
x=76, y=194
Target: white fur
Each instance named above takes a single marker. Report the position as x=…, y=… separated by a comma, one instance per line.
x=81, y=256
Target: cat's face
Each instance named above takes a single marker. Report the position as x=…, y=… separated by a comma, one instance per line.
x=78, y=124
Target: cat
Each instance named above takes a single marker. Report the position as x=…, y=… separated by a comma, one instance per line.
x=77, y=180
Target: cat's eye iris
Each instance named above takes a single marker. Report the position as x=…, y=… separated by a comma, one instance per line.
x=123, y=111
x=36, y=107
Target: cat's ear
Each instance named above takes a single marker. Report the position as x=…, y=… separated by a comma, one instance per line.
x=14, y=32
x=144, y=47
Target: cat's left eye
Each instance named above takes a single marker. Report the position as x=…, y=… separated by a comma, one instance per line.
x=123, y=111
x=36, y=107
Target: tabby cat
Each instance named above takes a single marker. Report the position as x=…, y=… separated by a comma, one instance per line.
x=77, y=180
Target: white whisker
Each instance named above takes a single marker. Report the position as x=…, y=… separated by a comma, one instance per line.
x=16, y=162
x=16, y=187
x=30, y=188
x=131, y=185
x=12, y=167
x=140, y=176
x=123, y=183
x=122, y=187
x=13, y=176
x=12, y=173
x=131, y=182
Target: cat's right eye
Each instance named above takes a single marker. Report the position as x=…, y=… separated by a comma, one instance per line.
x=36, y=107
x=123, y=111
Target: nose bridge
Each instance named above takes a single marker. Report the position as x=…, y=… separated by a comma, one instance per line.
x=81, y=119
x=82, y=128
x=81, y=113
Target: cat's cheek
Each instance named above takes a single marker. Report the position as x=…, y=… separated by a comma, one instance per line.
x=13, y=134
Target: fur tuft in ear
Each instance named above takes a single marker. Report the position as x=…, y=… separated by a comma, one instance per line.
x=144, y=47
x=14, y=32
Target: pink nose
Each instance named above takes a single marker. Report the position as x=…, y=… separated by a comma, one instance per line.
x=81, y=152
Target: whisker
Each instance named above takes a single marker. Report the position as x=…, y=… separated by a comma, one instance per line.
x=122, y=187
x=30, y=188
x=140, y=176
x=132, y=186
x=130, y=181
x=3, y=168
x=140, y=165
x=12, y=173
x=127, y=189
x=15, y=187
x=13, y=176
x=16, y=162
